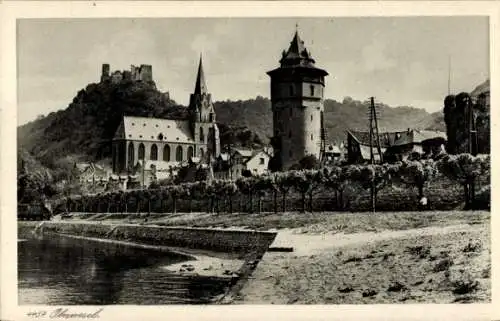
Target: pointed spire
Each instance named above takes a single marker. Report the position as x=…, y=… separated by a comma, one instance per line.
x=297, y=54
x=297, y=45
x=201, y=86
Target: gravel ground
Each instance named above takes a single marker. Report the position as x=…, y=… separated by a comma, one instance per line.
x=438, y=265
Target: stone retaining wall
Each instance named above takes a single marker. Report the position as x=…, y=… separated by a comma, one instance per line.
x=218, y=240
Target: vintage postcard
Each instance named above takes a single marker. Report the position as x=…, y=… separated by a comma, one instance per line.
x=298, y=160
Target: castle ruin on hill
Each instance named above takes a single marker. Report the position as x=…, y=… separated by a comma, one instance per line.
x=136, y=73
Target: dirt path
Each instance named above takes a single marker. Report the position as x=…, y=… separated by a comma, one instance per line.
x=264, y=285
x=308, y=244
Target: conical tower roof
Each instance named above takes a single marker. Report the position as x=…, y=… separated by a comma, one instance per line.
x=297, y=53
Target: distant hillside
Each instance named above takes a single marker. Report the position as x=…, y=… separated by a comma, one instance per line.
x=86, y=126
x=256, y=114
x=82, y=131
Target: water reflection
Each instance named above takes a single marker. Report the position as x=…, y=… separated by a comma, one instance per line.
x=66, y=271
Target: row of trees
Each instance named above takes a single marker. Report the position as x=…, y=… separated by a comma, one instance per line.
x=463, y=168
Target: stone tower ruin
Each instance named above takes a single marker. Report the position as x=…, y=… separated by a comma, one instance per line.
x=297, y=104
x=136, y=73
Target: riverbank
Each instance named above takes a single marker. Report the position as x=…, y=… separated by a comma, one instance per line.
x=429, y=265
x=357, y=258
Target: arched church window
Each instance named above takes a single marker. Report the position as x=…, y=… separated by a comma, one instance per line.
x=154, y=152
x=190, y=152
x=178, y=154
x=211, y=117
x=131, y=153
x=202, y=135
x=166, y=153
x=141, y=151
x=202, y=152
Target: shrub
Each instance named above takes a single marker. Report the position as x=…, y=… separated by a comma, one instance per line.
x=353, y=259
x=419, y=250
x=473, y=246
x=396, y=287
x=465, y=284
x=443, y=265
x=345, y=289
x=369, y=292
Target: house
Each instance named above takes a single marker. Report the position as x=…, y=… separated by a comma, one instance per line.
x=90, y=172
x=481, y=95
x=394, y=146
x=334, y=153
x=241, y=162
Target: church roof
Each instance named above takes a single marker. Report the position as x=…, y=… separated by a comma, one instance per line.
x=201, y=86
x=155, y=129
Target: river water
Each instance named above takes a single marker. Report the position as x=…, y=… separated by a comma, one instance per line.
x=57, y=270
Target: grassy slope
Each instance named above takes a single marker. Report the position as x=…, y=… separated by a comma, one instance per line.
x=324, y=222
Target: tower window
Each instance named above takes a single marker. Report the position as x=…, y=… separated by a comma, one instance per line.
x=291, y=112
x=311, y=136
x=211, y=117
x=312, y=90
x=290, y=134
x=290, y=153
x=262, y=160
x=202, y=135
x=292, y=91
x=311, y=117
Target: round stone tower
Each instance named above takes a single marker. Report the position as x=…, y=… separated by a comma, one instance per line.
x=297, y=103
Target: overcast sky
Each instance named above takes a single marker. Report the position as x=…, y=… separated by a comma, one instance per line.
x=400, y=61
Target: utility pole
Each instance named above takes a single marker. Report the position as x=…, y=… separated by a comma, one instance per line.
x=322, y=147
x=143, y=172
x=374, y=134
x=374, y=139
x=449, y=74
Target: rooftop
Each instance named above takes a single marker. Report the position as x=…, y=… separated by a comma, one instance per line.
x=390, y=139
x=156, y=129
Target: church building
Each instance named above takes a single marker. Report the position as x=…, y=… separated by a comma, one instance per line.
x=162, y=144
x=297, y=104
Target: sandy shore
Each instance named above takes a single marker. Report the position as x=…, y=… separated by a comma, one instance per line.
x=372, y=267
x=206, y=266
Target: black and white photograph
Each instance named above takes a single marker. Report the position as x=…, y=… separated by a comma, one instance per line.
x=288, y=160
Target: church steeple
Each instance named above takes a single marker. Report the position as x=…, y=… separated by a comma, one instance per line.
x=200, y=102
x=201, y=86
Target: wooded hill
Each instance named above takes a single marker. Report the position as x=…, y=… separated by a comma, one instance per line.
x=82, y=131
